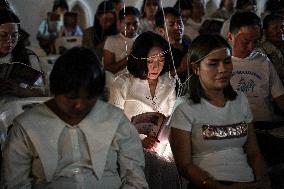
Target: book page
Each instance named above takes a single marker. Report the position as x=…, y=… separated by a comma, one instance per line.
x=149, y=123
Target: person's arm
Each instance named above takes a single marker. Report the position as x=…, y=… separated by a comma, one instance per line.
x=182, y=69
x=255, y=158
x=280, y=102
x=110, y=64
x=130, y=157
x=17, y=160
x=180, y=141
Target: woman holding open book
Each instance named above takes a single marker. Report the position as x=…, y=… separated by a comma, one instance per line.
x=11, y=50
x=212, y=136
x=147, y=96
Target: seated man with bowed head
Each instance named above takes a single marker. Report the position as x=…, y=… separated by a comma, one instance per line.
x=74, y=140
x=253, y=72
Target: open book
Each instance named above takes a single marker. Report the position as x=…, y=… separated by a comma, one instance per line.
x=150, y=123
x=19, y=72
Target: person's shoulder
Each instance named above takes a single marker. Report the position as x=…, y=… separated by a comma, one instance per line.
x=109, y=109
x=258, y=56
x=33, y=112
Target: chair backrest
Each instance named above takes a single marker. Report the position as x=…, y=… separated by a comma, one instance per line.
x=67, y=42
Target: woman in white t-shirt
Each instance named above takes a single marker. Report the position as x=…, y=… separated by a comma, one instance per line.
x=212, y=138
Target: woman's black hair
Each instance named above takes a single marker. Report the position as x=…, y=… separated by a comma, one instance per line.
x=19, y=53
x=183, y=5
x=60, y=4
x=241, y=4
x=198, y=50
x=137, y=62
x=77, y=68
x=99, y=34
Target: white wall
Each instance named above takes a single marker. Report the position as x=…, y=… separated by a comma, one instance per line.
x=31, y=12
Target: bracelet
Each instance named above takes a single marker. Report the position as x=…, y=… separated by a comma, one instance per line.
x=205, y=182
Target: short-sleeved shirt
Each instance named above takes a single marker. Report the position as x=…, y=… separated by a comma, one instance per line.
x=218, y=135
x=258, y=79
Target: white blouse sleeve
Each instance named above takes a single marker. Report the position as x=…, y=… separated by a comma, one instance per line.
x=180, y=119
x=118, y=92
x=131, y=157
x=17, y=160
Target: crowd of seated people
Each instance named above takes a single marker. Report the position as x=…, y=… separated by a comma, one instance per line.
x=160, y=98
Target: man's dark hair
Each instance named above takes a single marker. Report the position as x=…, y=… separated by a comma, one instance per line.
x=160, y=17
x=77, y=68
x=128, y=11
x=241, y=19
x=240, y=4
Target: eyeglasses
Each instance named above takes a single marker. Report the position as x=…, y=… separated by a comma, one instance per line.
x=6, y=36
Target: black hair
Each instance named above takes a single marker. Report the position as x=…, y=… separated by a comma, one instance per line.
x=160, y=19
x=241, y=19
x=77, y=68
x=4, y=4
x=198, y=50
x=211, y=26
x=274, y=6
x=271, y=18
x=137, y=62
x=7, y=16
x=183, y=5
x=99, y=34
x=60, y=4
x=142, y=12
x=128, y=11
x=241, y=4
x=19, y=53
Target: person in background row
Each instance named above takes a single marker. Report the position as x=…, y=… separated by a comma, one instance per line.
x=212, y=136
x=225, y=10
x=273, y=7
x=196, y=18
x=104, y=25
x=117, y=47
x=70, y=25
x=74, y=140
x=272, y=43
x=148, y=10
x=241, y=6
x=49, y=28
x=169, y=25
x=184, y=8
x=4, y=4
x=253, y=72
x=12, y=49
